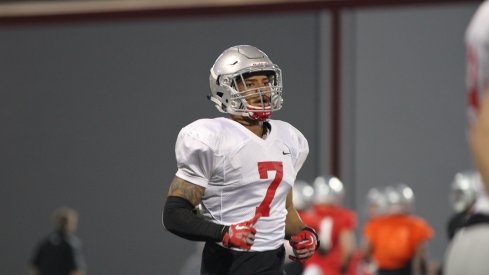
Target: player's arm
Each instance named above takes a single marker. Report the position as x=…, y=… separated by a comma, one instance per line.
x=293, y=222
x=367, y=251
x=179, y=217
x=480, y=140
x=76, y=259
x=348, y=246
x=420, y=261
x=303, y=239
x=188, y=191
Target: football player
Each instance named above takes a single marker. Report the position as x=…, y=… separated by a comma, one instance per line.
x=241, y=168
x=466, y=187
x=376, y=207
x=335, y=226
x=302, y=199
x=469, y=248
x=477, y=44
x=395, y=241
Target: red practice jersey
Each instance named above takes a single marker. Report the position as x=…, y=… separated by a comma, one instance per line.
x=329, y=222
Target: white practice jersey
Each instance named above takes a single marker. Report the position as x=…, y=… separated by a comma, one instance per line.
x=477, y=43
x=242, y=173
x=467, y=252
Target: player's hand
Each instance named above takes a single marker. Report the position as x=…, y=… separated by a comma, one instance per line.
x=241, y=235
x=304, y=244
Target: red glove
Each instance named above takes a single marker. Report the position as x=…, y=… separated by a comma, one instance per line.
x=241, y=235
x=304, y=244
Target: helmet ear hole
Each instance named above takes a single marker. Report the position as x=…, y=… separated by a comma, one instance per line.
x=220, y=94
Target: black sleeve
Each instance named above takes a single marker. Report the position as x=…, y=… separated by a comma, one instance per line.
x=179, y=218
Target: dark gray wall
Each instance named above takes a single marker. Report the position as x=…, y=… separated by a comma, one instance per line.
x=406, y=90
x=90, y=113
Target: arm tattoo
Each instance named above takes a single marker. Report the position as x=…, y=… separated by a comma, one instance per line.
x=189, y=191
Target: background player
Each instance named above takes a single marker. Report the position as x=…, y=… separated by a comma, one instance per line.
x=303, y=195
x=396, y=241
x=335, y=226
x=466, y=187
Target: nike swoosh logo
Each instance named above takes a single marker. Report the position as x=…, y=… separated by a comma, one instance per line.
x=285, y=153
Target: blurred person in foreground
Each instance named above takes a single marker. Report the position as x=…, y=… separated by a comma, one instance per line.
x=468, y=252
x=335, y=225
x=60, y=252
x=241, y=169
x=396, y=241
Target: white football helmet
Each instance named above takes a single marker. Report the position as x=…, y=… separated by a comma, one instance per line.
x=328, y=190
x=303, y=195
x=466, y=187
x=400, y=199
x=231, y=68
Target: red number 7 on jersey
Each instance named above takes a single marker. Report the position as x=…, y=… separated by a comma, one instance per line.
x=263, y=168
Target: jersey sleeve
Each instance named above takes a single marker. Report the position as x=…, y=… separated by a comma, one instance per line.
x=302, y=151
x=194, y=158
x=424, y=232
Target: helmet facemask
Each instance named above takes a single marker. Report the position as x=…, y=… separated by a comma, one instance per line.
x=255, y=101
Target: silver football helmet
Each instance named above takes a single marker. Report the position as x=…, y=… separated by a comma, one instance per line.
x=376, y=202
x=328, y=190
x=466, y=187
x=232, y=67
x=302, y=195
x=400, y=199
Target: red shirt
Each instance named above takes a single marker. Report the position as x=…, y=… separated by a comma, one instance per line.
x=329, y=222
